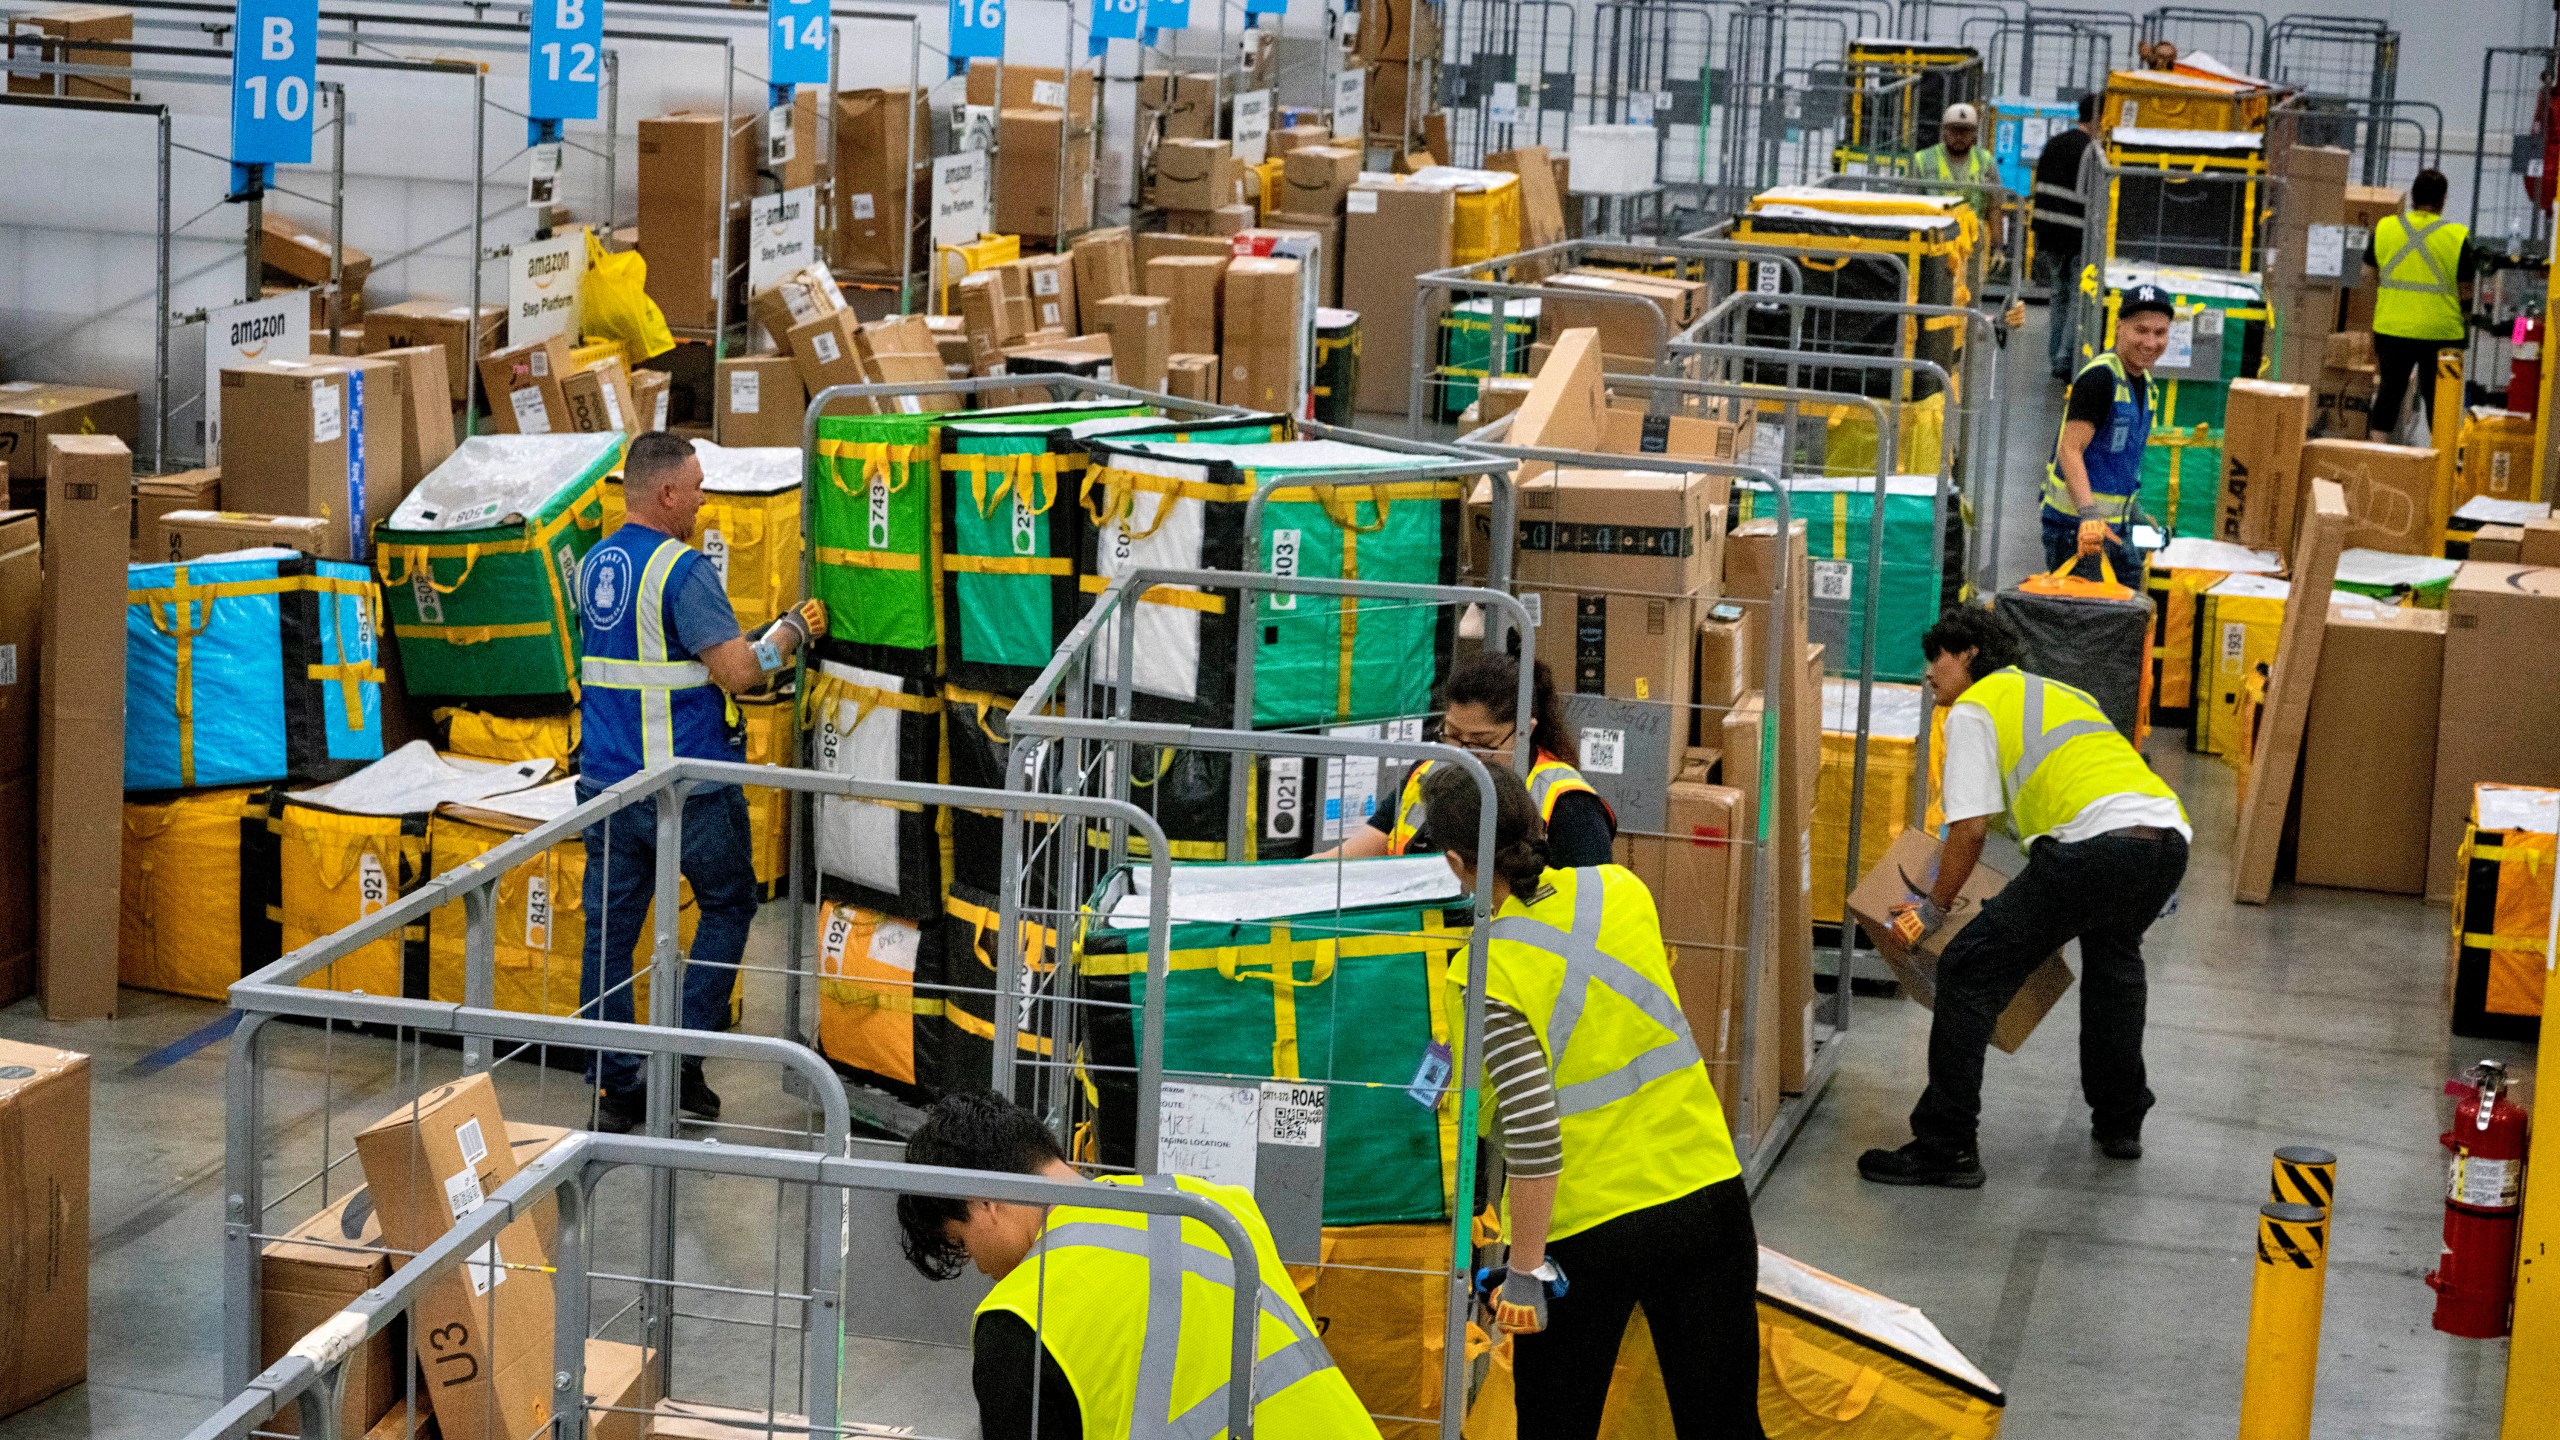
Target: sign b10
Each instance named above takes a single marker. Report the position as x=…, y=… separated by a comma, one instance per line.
x=273, y=53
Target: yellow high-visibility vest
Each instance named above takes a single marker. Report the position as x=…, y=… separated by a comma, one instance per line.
x=1585, y=965
x=2059, y=753
x=1137, y=1309
x=2419, y=257
x=1549, y=780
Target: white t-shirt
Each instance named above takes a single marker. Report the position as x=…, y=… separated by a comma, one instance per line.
x=1972, y=786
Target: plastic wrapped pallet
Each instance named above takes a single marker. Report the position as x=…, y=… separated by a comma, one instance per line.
x=2502, y=911
x=2099, y=644
x=1318, y=972
x=486, y=736
x=871, y=1013
x=1837, y=515
x=199, y=873
x=872, y=725
x=1846, y=243
x=255, y=666
x=1182, y=506
x=541, y=905
x=479, y=565
x=748, y=527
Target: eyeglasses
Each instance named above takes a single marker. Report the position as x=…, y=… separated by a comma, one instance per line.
x=1483, y=742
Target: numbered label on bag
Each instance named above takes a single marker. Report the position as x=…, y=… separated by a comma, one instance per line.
x=831, y=946
x=1286, y=548
x=1284, y=813
x=373, y=883
x=537, y=912
x=876, y=531
x=715, y=548
x=1026, y=532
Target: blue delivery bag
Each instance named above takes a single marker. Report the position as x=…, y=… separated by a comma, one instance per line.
x=253, y=666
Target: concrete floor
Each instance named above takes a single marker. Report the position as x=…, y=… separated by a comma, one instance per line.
x=2109, y=1298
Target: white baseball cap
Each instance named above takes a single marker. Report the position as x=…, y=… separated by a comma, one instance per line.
x=1961, y=114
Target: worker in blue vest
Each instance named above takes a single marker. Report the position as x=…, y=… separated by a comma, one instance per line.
x=663, y=656
x=2423, y=266
x=2096, y=469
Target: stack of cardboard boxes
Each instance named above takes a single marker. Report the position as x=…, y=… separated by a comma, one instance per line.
x=34, y=411
x=1399, y=46
x=1044, y=147
x=2318, y=285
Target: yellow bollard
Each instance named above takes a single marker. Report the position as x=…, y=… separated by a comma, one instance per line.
x=2304, y=1176
x=2284, y=1323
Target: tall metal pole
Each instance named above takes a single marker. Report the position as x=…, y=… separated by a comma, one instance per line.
x=160, y=326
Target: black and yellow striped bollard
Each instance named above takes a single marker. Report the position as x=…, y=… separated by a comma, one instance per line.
x=2304, y=1175
x=2284, y=1322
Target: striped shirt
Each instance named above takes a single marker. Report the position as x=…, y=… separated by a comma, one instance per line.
x=1524, y=1095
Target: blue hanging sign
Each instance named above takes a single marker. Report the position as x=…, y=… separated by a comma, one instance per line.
x=1169, y=14
x=273, y=51
x=568, y=59
x=977, y=29
x=1266, y=7
x=796, y=37
x=1117, y=19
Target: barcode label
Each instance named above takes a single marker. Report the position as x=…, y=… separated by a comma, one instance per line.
x=470, y=1141
x=1292, y=1114
x=1830, y=579
x=1604, y=751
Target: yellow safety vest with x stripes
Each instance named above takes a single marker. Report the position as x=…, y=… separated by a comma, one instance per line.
x=2419, y=259
x=1137, y=1309
x=2059, y=753
x=1549, y=780
x=1585, y=965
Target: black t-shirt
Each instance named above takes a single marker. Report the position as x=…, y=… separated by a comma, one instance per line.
x=1000, y=1373
x=1580, y=833
x=2060, y=165
x=2093, y=398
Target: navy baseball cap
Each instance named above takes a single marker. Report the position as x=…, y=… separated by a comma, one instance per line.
x=2145, y=297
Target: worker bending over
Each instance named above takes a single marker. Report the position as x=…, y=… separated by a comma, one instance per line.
x=1108, y=1324
x=663, y=656
x=1621, y=1186
x=1479, y=713
x=2106, y=845
x=2096, y=470
x=2424, y=268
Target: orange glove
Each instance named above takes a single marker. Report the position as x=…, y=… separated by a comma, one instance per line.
x=2016, y=315
x=2094, y=536
x=813, y=616
x=1914, y=920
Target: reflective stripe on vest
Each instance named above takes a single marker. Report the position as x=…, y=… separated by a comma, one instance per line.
x=2047, y=776
x=2113, y=456
x=1550, y=780
x=1073, y=1289
x=1641, y=1123
x=2420, y=300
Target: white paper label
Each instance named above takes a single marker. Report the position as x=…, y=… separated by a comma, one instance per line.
x=1769, y=448
x=1285, y=552
x=471, y=1140
x=1049, y=318
x=462, y=1191
x=2324, y=252
x=1361, y=202
x=2182, y=345
x=1831, y=580
x=825, y=344
x=532, y=416
x=658, y=415
x=861, y=205
x=1505, y=109
x=2235, y=646
x=1292, y=1114
x=373, y=884
x=612, y=405
x=876, y=526
x=894, y=943
x=327, y=423
x=2489, y=1184
x=1052, y=93
x=1026, y=527
x=1604, y=751
x=1285, y=798
x=715, y=548
x=746, y=392
x=2131, y=117
x=1044, y=280
x=831, y=942
x=1765, y=277
x=2498, y=471
x=2209, y=321
x=537, y=912
x=1209, y=1132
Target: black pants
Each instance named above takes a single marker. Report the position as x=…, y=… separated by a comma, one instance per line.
x=2396, y=356
x=1694, y=1265
x=2103, y=892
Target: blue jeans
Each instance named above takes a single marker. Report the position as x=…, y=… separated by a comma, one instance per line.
x=2062, y=541
x=622, y=870
x=2060, y=275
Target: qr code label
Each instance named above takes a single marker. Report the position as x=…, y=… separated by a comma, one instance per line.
x=1292, y=1114
x=1604, y=752
x=1831, y=580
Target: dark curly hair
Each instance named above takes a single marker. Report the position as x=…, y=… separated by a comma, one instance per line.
x=966, y=1130
x=1454, y=810
x=1491, y=679
x=1972, y=627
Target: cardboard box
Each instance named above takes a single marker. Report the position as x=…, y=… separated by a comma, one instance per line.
x=1701, y=886
x=1182, y=107
x=193, y=534
x=1106, y=267
x=2500, y=670
x=1192, y=377
x=1287, y=140
x=1399, y=232
x=312, y=1272
x=2310, y=246
x=62, y=26
x=1028, y=86
x=1542, y=220
x=294, y=449
x=653, y=392
x=2369, y=754
x=1785, y=1033
x=1328, y=230
x=1141, y=331
x=1722, y=652
x=1195, y=284
x=412, y=323
x=21, y=615
x=796, y=299
x=1193, y=175
x=1225, y=220
x=1633, y=647
x=1314, y=179
x=619, y=1390
x=1051, y=283
x=683, y=208
x=1750, y=578
x=18, y=883
x=1399, y=30
x=2390, y=492
x=880, y=222
x=2276, y=736
x=1033, y=144
x=1638, y=531
x=2539, y=542
x=300, y=253
x=2502, y=543
x=378, y=388
x=828, y=352
x=80, y=796
x=901, y=350
x=152, y=498
x=32, y=412
x=425, y=1164
x=522, y=383
x=426, y=412
x=761, y=401
x=686, y=1420
x=1630, y=430
x=1639, y=314
x=1265, y=330
x=600, y=399
x=1154, y=245
x=44, y=1220
x=1911, y=862
x=2264, y=423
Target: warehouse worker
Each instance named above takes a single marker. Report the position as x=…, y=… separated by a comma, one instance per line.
x=1958, y=158
x=1479, y=712
x=663, y=656
x=2061, y=217
x=1621, y=1185
x=2096, y=469
x=1106, y=1324
x=2106, y=844
x=2424, y=268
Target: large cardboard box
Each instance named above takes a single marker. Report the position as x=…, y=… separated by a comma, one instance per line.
x=17, y=885
x=1106, y=266
x=1192, y=377
x=682, y=208
x=1141, y=331
x=687, y=1420
x=21, y=615
x=600, y=398
x=426, y=409
x=1225, y=220
x=1034, y=143
x=522, y=385
x=32, y=411
x=1193, y=175
x=44, y=1221
x=312, y=1272
x=294, y=449
x=2310, y=247
x=378, y=390
x=1195, y=285
x=63, y=27
x=2369, y=754
x=1750, y=579
x=289, y=249
x=192, y=534
x=1328, y=231
x=2493, y=542
x=1050, y=284
x=2263, y=426
x=1184, y=106
x=80, y=729
x=1647, y=531
x=794, y=300
x=1636, y=315
x=879, y=221
x=1314, y=179
x=2501, y=679
x=1042, y=86
x=1398, y=232
x=1265, y=335
x=412, y=323
x=159, y=496
x=2538, y=542
x=828, y=351
x=2390, y=492
x=1911, y=864
x=761, y=401
x=1400, y=30
x=901, y=350
x=427, y=1164
x=620, y=1390
x=1699, y=877
x=1722, y=647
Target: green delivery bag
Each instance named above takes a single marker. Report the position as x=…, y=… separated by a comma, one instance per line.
x=1287, y=984
x=479, y=565
x=1836, y=513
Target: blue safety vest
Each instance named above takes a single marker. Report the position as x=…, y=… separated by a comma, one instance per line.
x=2114, y=456
x=646, y=699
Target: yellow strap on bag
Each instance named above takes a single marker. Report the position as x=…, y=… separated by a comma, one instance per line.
x=1793, y=1364
x=614, y=303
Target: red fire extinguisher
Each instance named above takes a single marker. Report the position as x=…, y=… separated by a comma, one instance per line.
x=2524, y=364
x=2475, y=1277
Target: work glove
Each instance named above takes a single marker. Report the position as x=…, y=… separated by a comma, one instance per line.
x=809, y=617
x=2094, y=532
x=2016, y=315
x=1916, y=920
x=1518, y=1298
